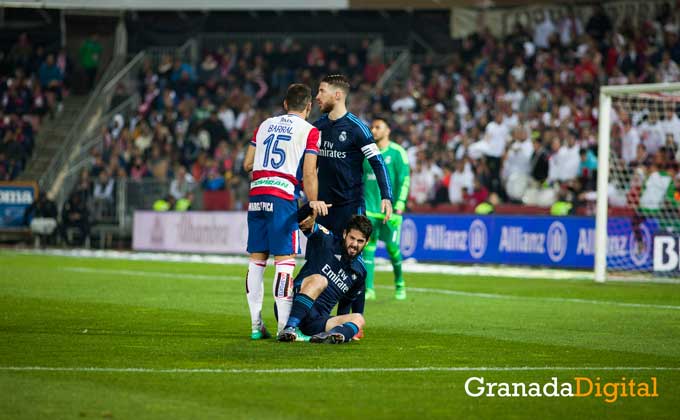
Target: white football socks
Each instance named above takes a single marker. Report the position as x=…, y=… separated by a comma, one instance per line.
x=283, y=290
x=255, y=291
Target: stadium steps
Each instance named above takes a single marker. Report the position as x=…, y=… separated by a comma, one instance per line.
x=51, y=137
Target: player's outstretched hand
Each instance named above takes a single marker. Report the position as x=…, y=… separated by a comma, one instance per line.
x=320, y=207
x=386, y=209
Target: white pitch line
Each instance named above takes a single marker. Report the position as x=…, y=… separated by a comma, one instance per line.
x=340, y=370
x=544, y=299
x=151, y=274
x=409, y=265
x=410, y=289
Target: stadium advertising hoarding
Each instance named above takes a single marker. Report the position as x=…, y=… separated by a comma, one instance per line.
x=195, y=231
x=15, y=197
x=666, y=254
x=567, y=242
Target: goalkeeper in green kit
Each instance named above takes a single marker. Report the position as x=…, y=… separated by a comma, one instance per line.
x=396, y=162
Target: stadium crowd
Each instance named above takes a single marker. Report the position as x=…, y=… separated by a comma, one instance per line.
x=32, y=82
x=34, y=78
x=28, y=77
x=510, y=119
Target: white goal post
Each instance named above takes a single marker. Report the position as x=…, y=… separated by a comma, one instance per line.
x=625, y=111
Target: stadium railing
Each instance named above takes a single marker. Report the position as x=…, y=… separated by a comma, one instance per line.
x=141, y=194
x=188, y=52
x=94, y=103
x=61, y=175
x=398, y=71
x=80, y=157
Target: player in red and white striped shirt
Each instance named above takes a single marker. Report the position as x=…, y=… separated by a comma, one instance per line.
x=282, y=157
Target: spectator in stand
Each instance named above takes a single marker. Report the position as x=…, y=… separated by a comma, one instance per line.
x=587, y=169
x=599, y=24
x=517, y=163
x=544, y=32
x=39, y=106
x=51, y=78
x=652, y=133
x=460, y=183
x=669, y=69
x=422, y=184
x=75, y=215
x=90, y=58
x=215, y=128
x=478, y=195
x=63, y=62
x=41, y=216
x=138, y=170
x=570, y=28
x=403, y=101
x=671, y=124
x=213, y=180
x=540, y=162
x=104, y=187
x=182, y=184
x=14, y=153
x=492, y=146
x=630, y=142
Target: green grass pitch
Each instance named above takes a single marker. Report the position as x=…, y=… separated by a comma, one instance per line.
x=159, y=340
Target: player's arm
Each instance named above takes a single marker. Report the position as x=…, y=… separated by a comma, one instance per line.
x=306, y=217
x=378, y=164
x=310, y=181
x=403, y=182
x=249, y=160
x=375, y=159
x=355, y=298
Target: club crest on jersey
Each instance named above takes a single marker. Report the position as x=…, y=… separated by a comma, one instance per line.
x=343, y=136
x=388, y=160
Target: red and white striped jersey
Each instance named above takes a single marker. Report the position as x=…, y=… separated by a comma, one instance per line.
x=280, y=145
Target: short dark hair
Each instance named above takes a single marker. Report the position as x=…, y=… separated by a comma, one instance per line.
x=339, y=81
x=298, y=96
x=384, y=118
x=361, y=223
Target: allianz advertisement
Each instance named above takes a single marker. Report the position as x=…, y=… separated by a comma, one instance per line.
x=537, y=240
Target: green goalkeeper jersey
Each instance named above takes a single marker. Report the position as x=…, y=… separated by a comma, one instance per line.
x=396, y=162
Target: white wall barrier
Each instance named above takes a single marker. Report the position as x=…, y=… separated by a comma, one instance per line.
x=193, y=231
x=218, y=232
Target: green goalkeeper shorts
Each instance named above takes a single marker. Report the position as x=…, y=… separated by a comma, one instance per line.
x=389, y=232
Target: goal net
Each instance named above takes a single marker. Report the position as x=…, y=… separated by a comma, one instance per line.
x=638, y=185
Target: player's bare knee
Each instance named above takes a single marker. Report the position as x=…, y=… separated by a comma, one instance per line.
x=318, y=281
x=313, y=285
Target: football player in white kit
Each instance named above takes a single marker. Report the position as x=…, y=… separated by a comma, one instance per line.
x=282, y=157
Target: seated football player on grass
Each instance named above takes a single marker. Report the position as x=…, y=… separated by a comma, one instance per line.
x=334, y=273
